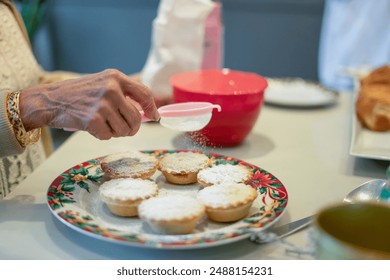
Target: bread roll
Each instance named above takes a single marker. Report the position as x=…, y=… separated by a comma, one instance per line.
x=373, y=102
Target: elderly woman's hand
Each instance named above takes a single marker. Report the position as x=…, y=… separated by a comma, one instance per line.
x=104, y=104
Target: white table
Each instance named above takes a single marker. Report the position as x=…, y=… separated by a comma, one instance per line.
x=307, y=149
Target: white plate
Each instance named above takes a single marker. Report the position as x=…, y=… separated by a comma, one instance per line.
x=366, y=143
x=73, y=198
x=298, y=93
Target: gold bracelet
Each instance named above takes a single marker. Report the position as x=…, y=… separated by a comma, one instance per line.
x=24, y=138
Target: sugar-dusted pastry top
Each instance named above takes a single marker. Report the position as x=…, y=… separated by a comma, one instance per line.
x=171, y=208
x=227, y=195
x=224, y=173
x=128, y=164
x=183, y=162
x=127, y=189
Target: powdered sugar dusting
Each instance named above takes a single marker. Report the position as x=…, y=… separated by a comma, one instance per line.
x=170, y=207
x=183, y=162
x=128, y=189
x=222, y=196
x=224, y=173
x=130, y=163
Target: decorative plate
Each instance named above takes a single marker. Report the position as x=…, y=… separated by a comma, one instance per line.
x=295, y=92
x=73, y=198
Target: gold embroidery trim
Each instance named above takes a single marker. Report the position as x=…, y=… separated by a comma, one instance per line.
x=24, y=138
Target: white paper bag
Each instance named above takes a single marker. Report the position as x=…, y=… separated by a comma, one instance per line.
x=178, y=42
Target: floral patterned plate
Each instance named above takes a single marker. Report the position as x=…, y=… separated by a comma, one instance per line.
x=73, y=198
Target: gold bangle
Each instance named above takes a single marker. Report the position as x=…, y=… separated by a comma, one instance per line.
x=24, y=138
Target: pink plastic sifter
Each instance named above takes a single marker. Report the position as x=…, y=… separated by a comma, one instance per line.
x=186, y=116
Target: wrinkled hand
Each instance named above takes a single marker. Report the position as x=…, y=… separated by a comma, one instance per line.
x=104, y=104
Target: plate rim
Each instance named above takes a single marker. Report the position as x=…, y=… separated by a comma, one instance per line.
x=247, y=231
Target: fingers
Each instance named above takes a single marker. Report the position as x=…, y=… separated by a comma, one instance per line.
x=111, y=121
x=119, y=126
x=121, y=112
x=127, y=121
x=142, y=95
x=102, y=132
x=130, y=113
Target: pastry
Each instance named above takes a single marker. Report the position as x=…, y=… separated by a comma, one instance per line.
x=132, y=164
x=181, y=168
x=224, y=173
x=123, y=195
x=373, y=102
x=171, y=214
x=227, y=202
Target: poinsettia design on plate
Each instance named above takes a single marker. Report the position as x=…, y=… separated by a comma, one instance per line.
x=61, y=190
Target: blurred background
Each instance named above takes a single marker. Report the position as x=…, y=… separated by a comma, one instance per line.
x=274, y=38
x=270, y=37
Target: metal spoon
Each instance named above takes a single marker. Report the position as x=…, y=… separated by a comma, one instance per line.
x=374, y=190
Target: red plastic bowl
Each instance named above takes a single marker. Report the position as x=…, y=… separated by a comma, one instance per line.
x=240, y=95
